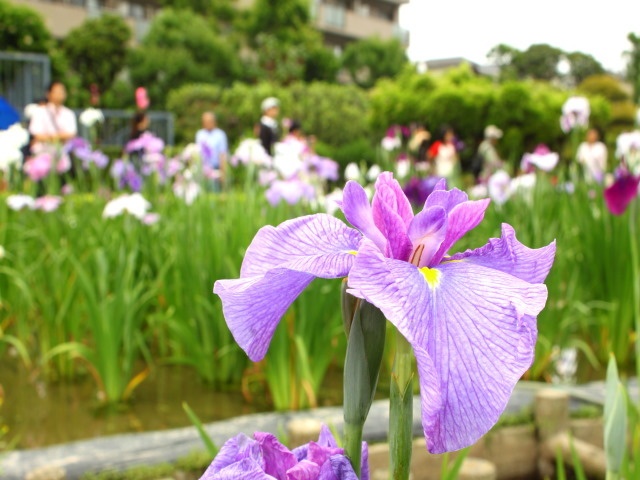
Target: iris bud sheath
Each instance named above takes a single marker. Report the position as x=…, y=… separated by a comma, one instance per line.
x=365, y=348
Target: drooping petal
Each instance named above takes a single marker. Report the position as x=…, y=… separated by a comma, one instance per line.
x=279, y=264
x=462, y=218
x=278, y=459
x=247, y=469
x=315, y=244
x=337, y=467
x=357, y=211
x=428, y=229
x=253, y=306
x=508, y=255
x=473, y=329
x=305, y=470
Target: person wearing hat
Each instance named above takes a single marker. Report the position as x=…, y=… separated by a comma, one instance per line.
x=269, y=132
x=488, y=158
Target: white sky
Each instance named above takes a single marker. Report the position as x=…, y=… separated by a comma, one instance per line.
x=470, y=28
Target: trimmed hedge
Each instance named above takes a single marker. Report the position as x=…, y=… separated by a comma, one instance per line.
x=336, y=114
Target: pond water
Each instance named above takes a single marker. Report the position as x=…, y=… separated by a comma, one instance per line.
x=40, y=414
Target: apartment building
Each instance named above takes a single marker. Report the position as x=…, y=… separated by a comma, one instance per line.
x=61, y=16
x=340, y=21
x=343, y=21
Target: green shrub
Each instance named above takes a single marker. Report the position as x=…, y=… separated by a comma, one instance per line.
x=335, y=114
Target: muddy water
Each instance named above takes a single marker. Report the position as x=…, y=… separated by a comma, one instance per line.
x=39, y=414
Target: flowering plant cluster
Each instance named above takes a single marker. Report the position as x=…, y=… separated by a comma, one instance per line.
x=470, y=317
x=263, y=457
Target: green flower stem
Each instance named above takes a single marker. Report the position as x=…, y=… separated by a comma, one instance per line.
x=401, y=411
x=353, y=444
x=636, y=279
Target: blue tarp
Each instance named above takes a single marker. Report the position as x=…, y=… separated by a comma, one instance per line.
x=8, y=115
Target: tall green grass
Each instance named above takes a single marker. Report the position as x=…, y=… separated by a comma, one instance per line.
x=111, y=299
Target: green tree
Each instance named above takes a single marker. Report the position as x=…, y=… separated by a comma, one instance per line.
x=502, y=56
x=22, y=29
x=88, y=46
x=633, y=65
x=583, y=66
x=539, y=61
x=371, y=59
x=285, y=20
x=181, y=47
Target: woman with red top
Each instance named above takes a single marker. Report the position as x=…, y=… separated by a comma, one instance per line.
x=443, y=153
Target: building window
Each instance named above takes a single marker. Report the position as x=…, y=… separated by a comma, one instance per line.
x=137, y=11
x=333, y=15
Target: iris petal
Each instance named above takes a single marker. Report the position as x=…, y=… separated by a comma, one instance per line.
x=508, y=255
x=357, y=211
x=305, y=244
x=278, y=459
x=234, y=450
x=473, y=334
x=462, y=218
x=280, y=263
x=305, y=470
x=428, y=229
x=246, y=469
x=337, y=467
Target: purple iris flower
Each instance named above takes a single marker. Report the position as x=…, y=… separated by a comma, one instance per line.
x=147, y=142
x=264, y=458
x=621, y=192
x=291, y=191
x=99, y=159
x=418, y=189
x=470, y=317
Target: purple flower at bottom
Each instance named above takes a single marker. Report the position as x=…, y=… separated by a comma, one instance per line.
x=470, y=317
x=621, y=193
x=264, y=458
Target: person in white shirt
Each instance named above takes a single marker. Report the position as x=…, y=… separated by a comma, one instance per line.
x=592, y=155
x=53, y=124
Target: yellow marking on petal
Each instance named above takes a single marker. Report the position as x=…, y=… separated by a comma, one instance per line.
x=450, y=261
x=432, y=276
x=352, y=252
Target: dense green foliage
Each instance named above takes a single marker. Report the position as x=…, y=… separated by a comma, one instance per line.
x=541, y=62
x=97, y=39
x=238, y=109
x=22, y=29
x=371, y=59
x=527, y=111
x=633, y=65
x=172, y=55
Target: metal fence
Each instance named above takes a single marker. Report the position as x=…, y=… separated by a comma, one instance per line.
x=115, y=130
x=24, y=78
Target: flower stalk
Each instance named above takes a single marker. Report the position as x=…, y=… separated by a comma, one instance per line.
x=401, y=411
x=366, y=333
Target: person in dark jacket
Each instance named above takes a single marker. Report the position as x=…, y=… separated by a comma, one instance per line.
x=269, y=132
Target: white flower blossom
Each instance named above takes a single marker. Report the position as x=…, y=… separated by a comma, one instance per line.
x=91, y=116
x=134, y=204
